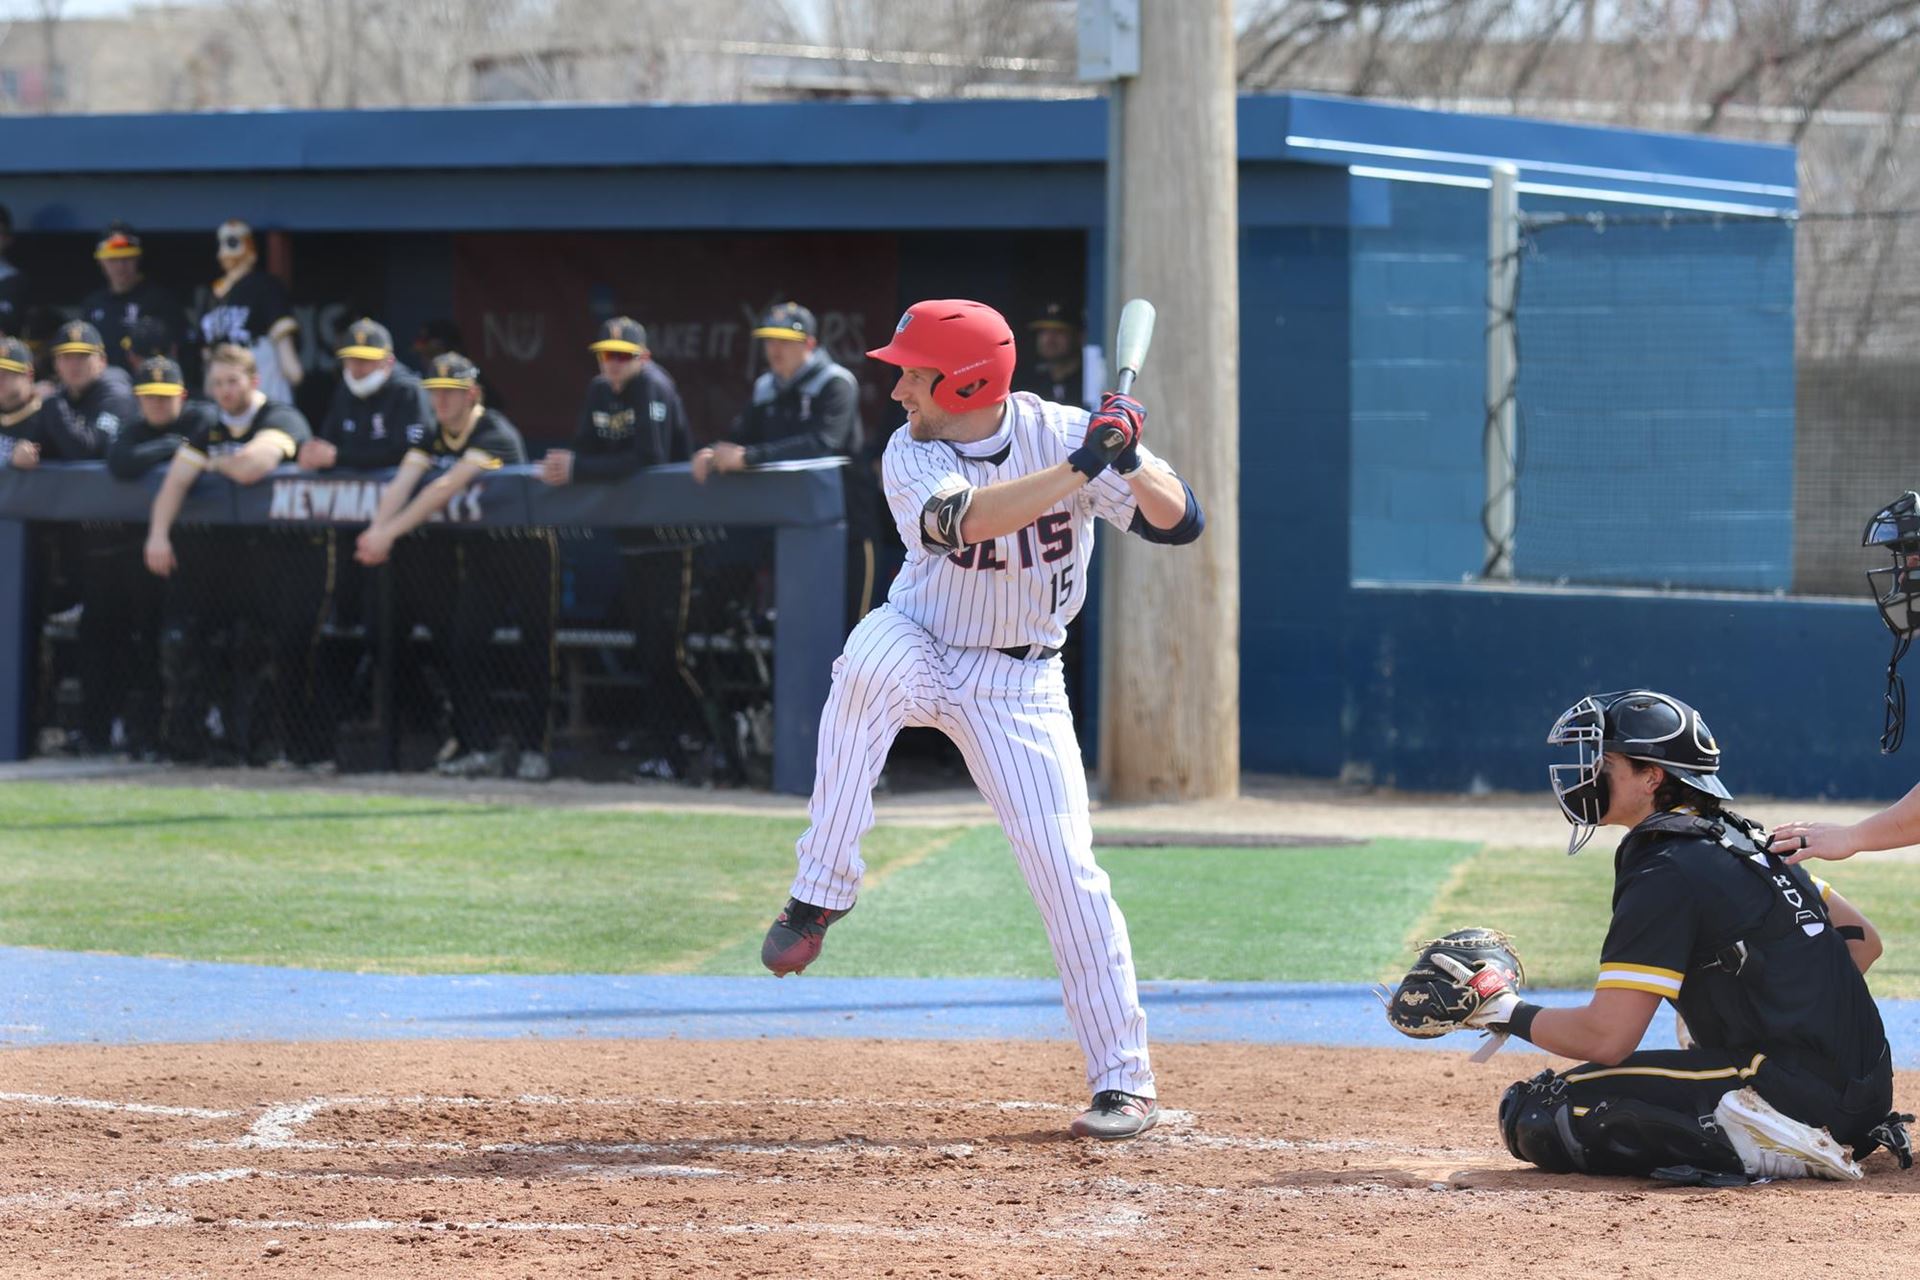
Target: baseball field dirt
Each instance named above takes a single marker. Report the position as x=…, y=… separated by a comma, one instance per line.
x=851, y=1158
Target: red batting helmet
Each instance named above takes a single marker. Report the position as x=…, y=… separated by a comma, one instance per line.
x=968, y=342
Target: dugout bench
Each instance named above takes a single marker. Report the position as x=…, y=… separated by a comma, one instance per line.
x=802, y=504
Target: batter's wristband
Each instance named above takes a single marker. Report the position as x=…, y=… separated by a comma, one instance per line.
x=1089, y=460
x=1520, y=1023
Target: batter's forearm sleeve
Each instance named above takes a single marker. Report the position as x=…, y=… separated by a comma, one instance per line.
x=1192, y=522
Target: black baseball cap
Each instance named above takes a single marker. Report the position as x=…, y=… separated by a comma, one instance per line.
x=367, y=340
x=15, y=356
x=1055, y=315
x=451, y=372
x=789, y=321
x=160, y=376
x=623, y=335
x=77, y=336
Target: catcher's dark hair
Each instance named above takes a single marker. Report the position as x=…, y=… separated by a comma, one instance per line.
x=1673, y=793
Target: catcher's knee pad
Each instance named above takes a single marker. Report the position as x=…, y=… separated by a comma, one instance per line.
x=1542, y=1126
x=1536, y=1119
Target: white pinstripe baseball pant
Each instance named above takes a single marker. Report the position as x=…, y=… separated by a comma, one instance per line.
x=1011, y=721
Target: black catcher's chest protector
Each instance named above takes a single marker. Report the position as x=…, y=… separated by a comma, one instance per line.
x=1767, y=969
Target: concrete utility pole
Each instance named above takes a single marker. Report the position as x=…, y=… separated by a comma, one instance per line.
x=1170, y=616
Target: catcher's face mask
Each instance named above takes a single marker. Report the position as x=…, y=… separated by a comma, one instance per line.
x=1896, y=589
x=1579, y=784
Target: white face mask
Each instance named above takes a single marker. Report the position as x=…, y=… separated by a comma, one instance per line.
x=364, y=387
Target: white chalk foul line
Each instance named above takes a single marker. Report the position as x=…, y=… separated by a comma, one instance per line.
x=102, y=1104
x=1102, y=1224
x=276, y=1130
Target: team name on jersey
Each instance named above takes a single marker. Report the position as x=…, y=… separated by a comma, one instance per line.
x=229, y=322
x=613, y=426
x=1046, y=540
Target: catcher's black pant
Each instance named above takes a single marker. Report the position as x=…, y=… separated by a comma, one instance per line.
x=488, y=602
x=1687, y=1084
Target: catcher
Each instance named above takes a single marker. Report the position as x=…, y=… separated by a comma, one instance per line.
x=1788, y=1061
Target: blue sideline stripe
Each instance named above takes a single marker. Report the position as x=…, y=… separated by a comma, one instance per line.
x=59, y=997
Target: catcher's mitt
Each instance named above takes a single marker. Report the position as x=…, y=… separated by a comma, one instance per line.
x=1436, y=998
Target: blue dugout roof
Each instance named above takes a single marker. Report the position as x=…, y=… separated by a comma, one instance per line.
x=601, y=165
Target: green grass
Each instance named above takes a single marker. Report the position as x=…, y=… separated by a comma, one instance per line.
x=385, y=884
x=428, y=886
x=1557, y=909
x=1332, y=915
x=399, y=885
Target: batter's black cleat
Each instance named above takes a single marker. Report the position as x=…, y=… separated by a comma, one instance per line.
x=794, y=941
x=1116, y=1114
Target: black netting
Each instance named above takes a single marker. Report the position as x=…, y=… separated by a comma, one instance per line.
x=1714, y=401
x=480, y=652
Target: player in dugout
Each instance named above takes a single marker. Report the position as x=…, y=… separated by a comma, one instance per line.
x=118, y=609
x=1787, y=1065
x=805, y=405
x=249, y=309
x=469, y=585
x=378, y=406
x=128, y=298
x=632, y=418
x=241, y=583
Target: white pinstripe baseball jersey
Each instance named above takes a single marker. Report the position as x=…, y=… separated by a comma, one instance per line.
x=1022, y=589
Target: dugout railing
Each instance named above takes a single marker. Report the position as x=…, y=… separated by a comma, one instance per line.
x=801, y=507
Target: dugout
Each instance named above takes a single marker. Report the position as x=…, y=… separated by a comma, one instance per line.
x=1363, y=258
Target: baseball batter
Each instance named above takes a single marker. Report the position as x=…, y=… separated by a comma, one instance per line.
x=995, y=496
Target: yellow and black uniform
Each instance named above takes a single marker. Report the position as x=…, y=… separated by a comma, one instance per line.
x=643, y=424
x=281, y=424
x=1063, y=382
x=815, y=414
x=371, y=427
x=116, y=314
x=1741, y=944
x=487, y=596
x=139, y=447
x=620, y=433
x=120, y=602
x=369, y=424
x=251, y=310
x=242, y=613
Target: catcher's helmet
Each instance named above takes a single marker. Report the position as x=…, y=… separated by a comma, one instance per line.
x=1896, y=589
x=970, y=345
x=1640, y=724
